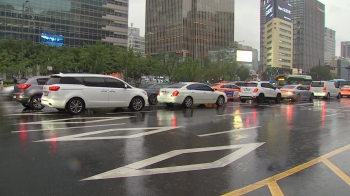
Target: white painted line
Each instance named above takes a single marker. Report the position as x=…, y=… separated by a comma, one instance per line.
x=303, y=104
x=68, y=128
x=34, y=114
x=332, y=114
x=64, y=121
x=130, y=112
x=81, y=136
x=223, y=132
x=134, y=169
x=237, y=114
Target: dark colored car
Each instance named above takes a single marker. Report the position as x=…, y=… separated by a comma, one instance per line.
x=152, y=91
x=28, y=91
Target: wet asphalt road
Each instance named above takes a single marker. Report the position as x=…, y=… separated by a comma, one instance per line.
x=176, y=151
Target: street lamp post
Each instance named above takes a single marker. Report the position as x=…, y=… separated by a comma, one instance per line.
x=22, y=37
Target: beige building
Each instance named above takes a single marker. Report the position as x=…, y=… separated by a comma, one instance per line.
x=278, y=44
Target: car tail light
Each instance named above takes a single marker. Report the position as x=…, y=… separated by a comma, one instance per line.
x=310, y=88
x=341, y=89
x=54, y=88
x=240, y=90
x=292, y=92
x=215, y=89
x=158, y=93
x=23, y=86
x=256, y=90
x=175, y=93
x=324, y=89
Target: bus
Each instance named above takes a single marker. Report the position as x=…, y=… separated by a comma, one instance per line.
x=340, y=82
x=288, y=79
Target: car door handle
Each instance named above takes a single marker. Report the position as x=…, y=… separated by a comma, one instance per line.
x=112, y=91
x=103, y=91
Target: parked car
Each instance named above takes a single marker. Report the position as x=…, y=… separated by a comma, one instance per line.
x=297, y=93
x=325, y=89
x=189, y=93
x=152, y=91
x=77, y=92
x=28, y=91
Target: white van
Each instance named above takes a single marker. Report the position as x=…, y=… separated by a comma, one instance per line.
x=325, y=89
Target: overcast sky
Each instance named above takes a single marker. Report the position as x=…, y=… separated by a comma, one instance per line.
x=248, y=17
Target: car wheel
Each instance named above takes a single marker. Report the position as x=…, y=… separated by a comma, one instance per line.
x=328, y=97
x=76, y=106
x=278, y=98
x=260, y=98
x=153, y=100
x=35, y=103
x=311, y=99
x=188, y=102
x=243, y=101
x=341, y=96
x=220, y=101
x=137, y=104
x=25, y=105
x=338, y=96
x=298, y=98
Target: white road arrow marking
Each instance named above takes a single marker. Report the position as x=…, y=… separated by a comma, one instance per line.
x=134, y=169
x=66, y=120
x=81, y=136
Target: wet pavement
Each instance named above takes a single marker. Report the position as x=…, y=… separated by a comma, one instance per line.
x=240, y=149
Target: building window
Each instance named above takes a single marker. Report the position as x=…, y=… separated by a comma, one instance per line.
x=269, y=48
x=269, y=37
x=285, y=43
x=285, y=37
x=269, y=25
x=268, y=43
x=269, y=60
x=285, y=54
x=285, y=25
x=285, y=49
x=285, y=66
x=269, y=31
x=285, y=31
x=284, y=60
x=269, y=54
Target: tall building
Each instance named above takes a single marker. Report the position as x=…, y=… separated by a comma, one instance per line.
x=278, y=38
x=345, y=49
x=65, y=22
x=309, y=24
x=135, y=40
x=189, y=28
x=329, y=45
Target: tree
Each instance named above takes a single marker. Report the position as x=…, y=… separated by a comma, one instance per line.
x=243, y=72
x=320, y=73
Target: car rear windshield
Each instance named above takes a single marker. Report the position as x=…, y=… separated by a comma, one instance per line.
x=317, y=84
x=288, y=87
x=22, y=81
x=249, y=84
x=346, y=86
x=176, y=86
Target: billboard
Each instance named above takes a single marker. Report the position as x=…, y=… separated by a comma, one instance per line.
x=283, y=10
x=278, y=9
x=51, y=40
x=270, y=11
x=244, y=56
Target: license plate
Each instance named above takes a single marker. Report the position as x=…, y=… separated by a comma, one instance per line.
x=46, y=93
x=230, y=94
x=246, y=89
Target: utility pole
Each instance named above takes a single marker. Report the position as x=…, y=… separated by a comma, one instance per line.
x=23, y=72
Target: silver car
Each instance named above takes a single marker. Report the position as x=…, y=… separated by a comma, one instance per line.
x=297, y=93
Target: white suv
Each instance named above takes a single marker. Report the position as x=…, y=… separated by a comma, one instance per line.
x=77, y=92
x=259, y=92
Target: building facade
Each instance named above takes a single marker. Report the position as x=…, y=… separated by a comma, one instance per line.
x=189, y=28
x=329, y=45
x=345, y=49
x=309, y=24
x=340, y=65
x=135, y=40
x=278, y=37
x=65, y=22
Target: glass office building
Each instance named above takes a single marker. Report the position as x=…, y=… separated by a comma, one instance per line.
x=191, y=28
x=65, y=22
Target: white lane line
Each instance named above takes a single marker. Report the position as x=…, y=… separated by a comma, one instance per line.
x=223, y=132
x=303, y=104
x=65, y=120
x=81, y=136
x=135, y=169
x=68, y=128
x=33, y=114
x=332, y=114
x=237, y=114
x=131, y=112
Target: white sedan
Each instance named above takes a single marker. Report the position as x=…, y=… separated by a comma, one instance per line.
x=189, y=93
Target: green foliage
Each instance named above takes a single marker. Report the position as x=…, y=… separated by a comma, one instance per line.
x=321, y=73
x=103, y=58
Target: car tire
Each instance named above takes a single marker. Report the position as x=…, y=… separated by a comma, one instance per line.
x=339, y=96
x=243, y=101
x=260, y=98
x=298, y=98
x=153, y=99
x=35, y=103
x=278, y=98
x=311, y=99
x=169, y=104
x=220, y=101
x=75, y=106
x=137, y=103
x=328, y=97
x=188, y=102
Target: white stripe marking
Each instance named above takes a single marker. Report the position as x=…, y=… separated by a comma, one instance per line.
x=223, y=132
x=68, y=128
x=59, y=121
x=236, y=114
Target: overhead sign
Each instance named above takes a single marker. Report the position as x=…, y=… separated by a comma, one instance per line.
x=270, y=11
